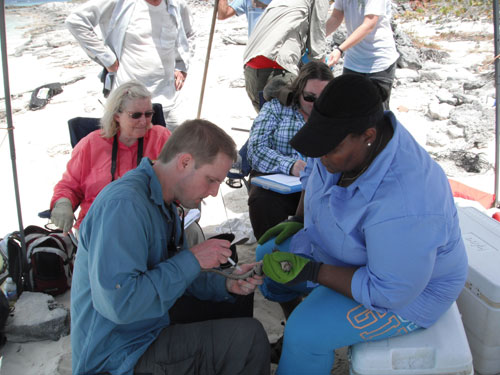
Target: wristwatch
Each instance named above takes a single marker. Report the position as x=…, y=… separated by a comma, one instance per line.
x=340, y=50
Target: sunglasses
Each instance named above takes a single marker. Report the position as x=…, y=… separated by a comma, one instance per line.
x=138, y=115
x=311, y=98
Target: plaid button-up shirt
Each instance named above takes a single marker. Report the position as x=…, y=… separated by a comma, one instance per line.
x=269, y=150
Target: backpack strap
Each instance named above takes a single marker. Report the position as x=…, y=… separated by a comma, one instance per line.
x=60, y=246
x=114, y=154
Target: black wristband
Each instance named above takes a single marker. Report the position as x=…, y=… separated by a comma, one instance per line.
x=310, y=272
x=314, y=271
x=341, y=51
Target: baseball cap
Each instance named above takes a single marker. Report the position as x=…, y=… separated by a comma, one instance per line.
x=350, y=103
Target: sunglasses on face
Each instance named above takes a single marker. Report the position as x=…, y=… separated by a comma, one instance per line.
x=138, y=115
x=311, y=98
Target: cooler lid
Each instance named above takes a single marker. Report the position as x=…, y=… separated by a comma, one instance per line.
x=441, y=349
x=481, y=235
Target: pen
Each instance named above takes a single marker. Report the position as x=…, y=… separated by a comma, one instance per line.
x=233, y=264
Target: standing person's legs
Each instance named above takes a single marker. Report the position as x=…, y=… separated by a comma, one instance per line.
x=172, y=117
x=327, y=320
x=227, y=346
x=255, y=80
x=385, y=80
x=268, y=208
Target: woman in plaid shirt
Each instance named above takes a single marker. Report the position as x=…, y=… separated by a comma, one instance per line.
x=268, y=148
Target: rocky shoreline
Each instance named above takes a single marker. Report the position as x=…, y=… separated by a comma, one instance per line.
x=452, y=95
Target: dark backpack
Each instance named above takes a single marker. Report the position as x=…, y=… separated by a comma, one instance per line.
x=47, y=266
x=4, y=314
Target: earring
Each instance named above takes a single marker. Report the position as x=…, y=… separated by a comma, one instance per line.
x=369, y=144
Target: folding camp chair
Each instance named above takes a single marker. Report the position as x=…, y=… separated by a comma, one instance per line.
x=240, y=170
x=237, y=175
x=80, y=127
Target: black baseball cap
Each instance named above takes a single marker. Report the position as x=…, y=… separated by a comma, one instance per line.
x=350, y=103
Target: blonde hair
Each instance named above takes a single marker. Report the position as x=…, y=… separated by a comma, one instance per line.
x=116, y=102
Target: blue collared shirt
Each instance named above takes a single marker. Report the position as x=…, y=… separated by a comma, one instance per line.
x=124, y=283
x=397, y=222
x=251, y=9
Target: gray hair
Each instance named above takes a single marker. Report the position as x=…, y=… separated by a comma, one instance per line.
x=116, y=102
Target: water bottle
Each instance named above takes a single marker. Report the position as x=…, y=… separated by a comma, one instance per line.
x=10, y=290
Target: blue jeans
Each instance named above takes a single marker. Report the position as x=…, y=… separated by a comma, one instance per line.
x=324, y=321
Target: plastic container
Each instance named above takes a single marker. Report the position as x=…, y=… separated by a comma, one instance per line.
x=10, y=290
x=479, y=301
x=439, y=349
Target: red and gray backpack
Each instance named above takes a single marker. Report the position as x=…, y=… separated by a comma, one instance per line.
x=47, y=266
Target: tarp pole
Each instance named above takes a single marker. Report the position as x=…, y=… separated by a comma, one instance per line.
x=497, y=103
x=10, y=127
x=207, y=58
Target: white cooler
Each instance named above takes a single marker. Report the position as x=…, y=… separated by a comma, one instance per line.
x=439, y=349
x=479, y=302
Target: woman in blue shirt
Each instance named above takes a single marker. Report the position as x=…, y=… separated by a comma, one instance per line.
x=380, y=249
x=269, y=150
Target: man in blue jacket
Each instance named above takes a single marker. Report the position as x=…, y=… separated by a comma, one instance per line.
x=133, y=265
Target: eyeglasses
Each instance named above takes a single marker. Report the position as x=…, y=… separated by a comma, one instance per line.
x=311, y=98
x=138, y=115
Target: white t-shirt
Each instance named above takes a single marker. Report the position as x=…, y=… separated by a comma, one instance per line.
x=148, y=53
x=377, y=51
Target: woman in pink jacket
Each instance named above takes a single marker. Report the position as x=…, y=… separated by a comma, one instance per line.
x=126, y=135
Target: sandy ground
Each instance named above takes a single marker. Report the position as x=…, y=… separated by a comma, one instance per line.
x=42, y=148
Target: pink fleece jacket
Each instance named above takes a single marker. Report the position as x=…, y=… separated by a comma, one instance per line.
x=89, y=169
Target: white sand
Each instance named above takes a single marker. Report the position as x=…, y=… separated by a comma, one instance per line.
x=42, y=144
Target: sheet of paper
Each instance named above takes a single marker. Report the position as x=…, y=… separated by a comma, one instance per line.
x=283, y=179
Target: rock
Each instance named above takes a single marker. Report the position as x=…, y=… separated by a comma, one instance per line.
x=439, y=111
x=430, y=75
x=462, y=99
x=338, y=37
x=473, y=85
x=240, y=82
x=477, y=121
x=444, y=96
x=408, y=53
x=37, y=317
x=407, y=74
x=434, y=54
x=459, y=74
x=437, y=140
x=408, y=58
x=64, y=364
x=235, y=39
x=454, y=131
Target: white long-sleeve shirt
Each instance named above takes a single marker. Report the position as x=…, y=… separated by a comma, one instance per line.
x=148, y=48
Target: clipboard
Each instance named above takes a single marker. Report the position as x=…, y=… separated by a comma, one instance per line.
x=280, y=183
